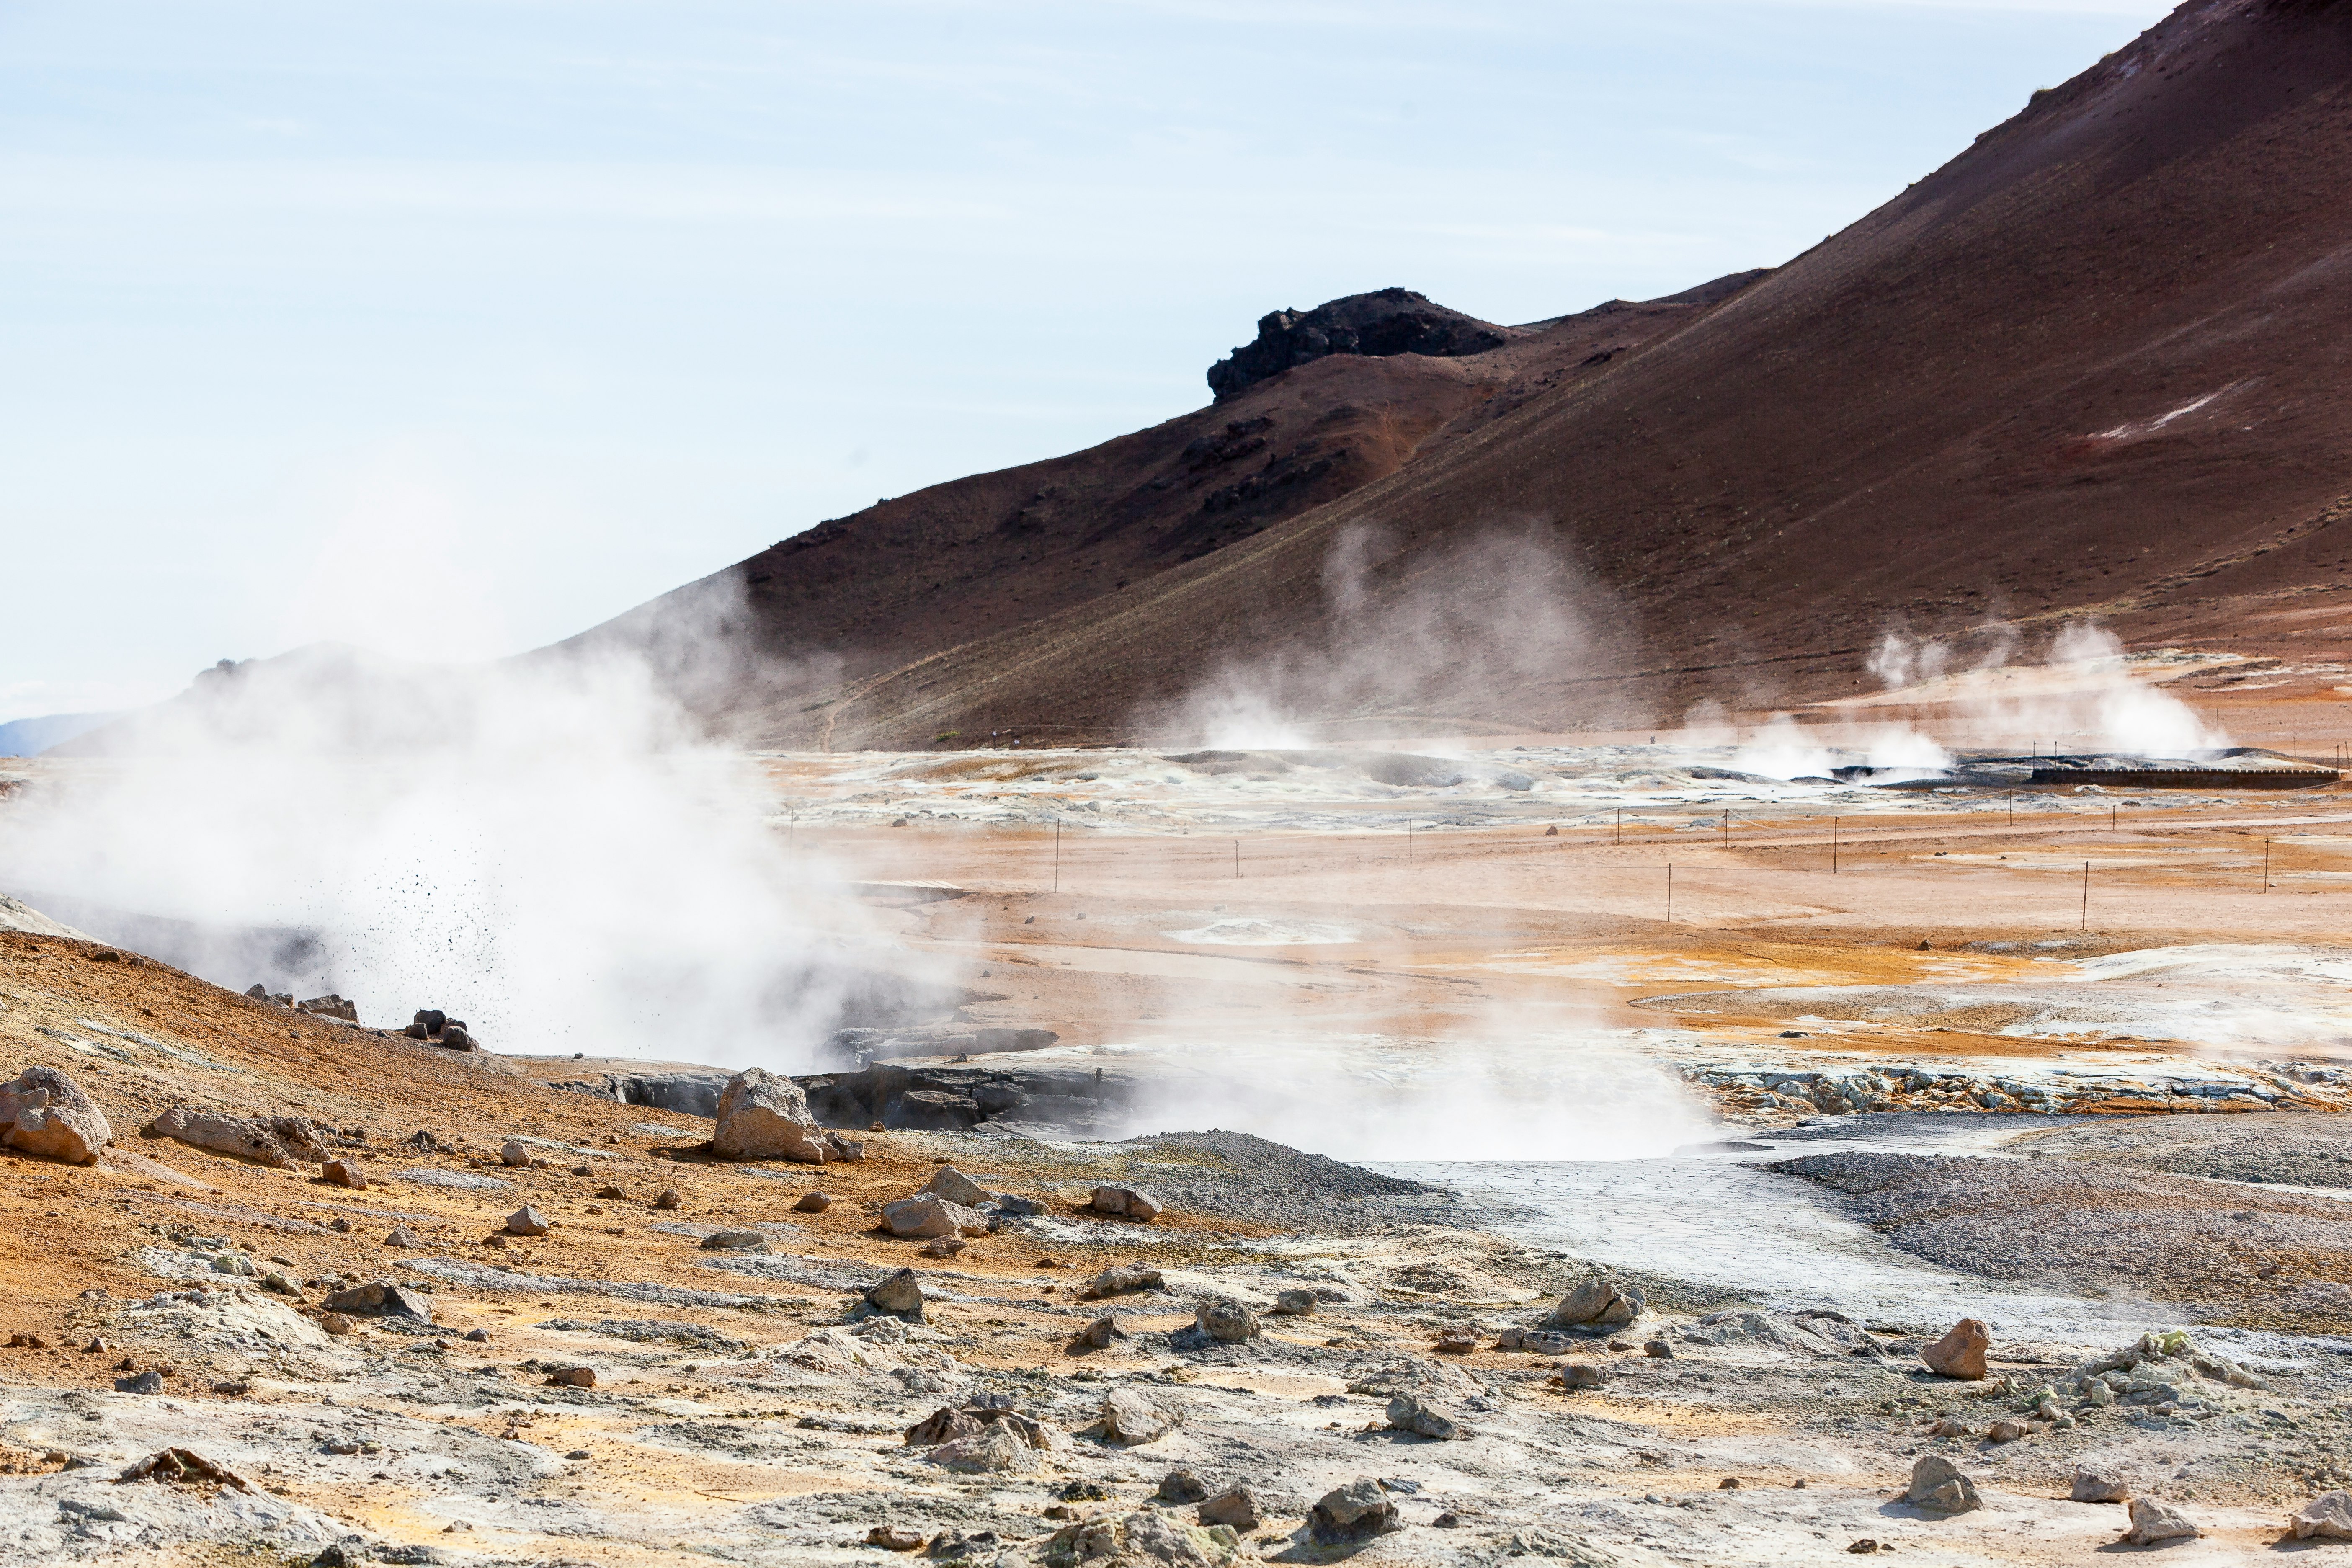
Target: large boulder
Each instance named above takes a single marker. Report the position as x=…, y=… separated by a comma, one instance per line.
x=1961, y=1354
x=926, y=1214
x=45, y=1113
x=764, y=1116
x=281, y=1143
x=1601, y=1302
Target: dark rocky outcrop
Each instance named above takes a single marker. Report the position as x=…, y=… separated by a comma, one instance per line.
x=1384, y=322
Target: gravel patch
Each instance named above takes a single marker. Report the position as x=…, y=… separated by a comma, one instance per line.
x=2234, y=1256
x=2290, y=1149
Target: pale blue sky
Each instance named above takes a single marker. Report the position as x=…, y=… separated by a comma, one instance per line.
x=451, y=327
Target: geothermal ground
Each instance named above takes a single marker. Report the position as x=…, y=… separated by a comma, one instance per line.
x=1894, y=1062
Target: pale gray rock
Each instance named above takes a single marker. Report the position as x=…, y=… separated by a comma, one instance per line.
x=925, y=1215
x=1236, y=1508
x=1131, y=1416
x=1937, y=1483
x=1295, y=1303
x=1098, y=1334
x=2154, y=1522
x=2327, y=1517
x=952, y=1184
x=765, y=1116
x=1407, y=1413
x=1601, y=1302
x=45, y=1113
x=514, y=1152
x=380, y=1299
x=281, y=1143
x=736, y=1241
x=527, y=1221
x=899, y=1294
x=994, y=1449
x=1135, y=1203
x=2098, y=1486
x=1120, y=1280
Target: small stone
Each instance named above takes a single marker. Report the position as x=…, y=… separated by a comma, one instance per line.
x=1407, y=1413
x=143, y=1383
x=1226, y=1320
x=1181, y=1485
x=578, y=1454
x=575, y=1377
x=232, y=1388
x=477, y=1336
x=336, y=1323
x=1961, y=1354
x=527, y=1221
x=1236, y=1508
x=1098, y=1334
x=1357, y=1511
x=1129, y=1416
x=944, y=1246
x=1134, y=1203
x=1658, y=1350
x=898, y=1294
x=812, y=1203
x=735, y=1241
x=1864, y=1547
x=1601, y=1302
x=380, y=1299
x=2006, y=1431
x=495, y=1240
x=996, y=1447
x=894, y=1538
x=514, y=1152
x=1295, y=1303
x=1118, y=1280
x=582, y=1170
x=1937, y=1483
x=612, y=1194
x=2154, y=1522
x=23, y=1342
x=340, y=1226
x=926, y=1214
x=668, y=1199
x=344, y=1174
x=1581, y=1374
x=952, y=1184
x=401, y=1235
x=1728, y=1484
x=2098, y=1486
x=2327, y=1517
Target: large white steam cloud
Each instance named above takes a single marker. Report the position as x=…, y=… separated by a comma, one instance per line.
x=2083, y=697
x=547, y=849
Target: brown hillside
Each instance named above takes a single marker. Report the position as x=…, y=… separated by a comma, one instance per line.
x=2096, y=365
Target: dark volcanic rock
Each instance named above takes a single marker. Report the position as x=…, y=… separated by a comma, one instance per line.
x=1384, y=322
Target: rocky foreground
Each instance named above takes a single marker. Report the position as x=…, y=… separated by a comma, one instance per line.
x=357, y=1297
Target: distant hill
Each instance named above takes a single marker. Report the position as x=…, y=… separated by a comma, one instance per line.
x=31, y=737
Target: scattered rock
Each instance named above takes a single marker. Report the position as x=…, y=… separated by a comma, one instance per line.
x=952, y=1184
x=380, y=1299
x=527, y=1221
x=668, y=1199
x=1659, y=1350
x=1407, y=1413
x=185, y=1466
x=1134, y=1203
x=2327, y=1517
x=141, y=1383
x=345, y=1174
x=45, y=1113
x=2154, y=1521
x=1236, y=1508
x=1936, y=1483
x=401, y=1235
x=1543, y=1341
x=1130, y=1417
x=1601, y=1302
x=1961, y=1354
x=926, y=1214
x=996, y=1447
x=765, y=1116
x=1147, y=1536
x=2006, y=1431
x=899, y=1294
x=894, y=1538
x=1224, y=1320
x=336, y=1323
x=281, y=1143
x=812, y=1203
x=1457, y=1341
x=1118, y=1280
x=1295, y=1303
x=25, y=1341
x=944, y=1246
x=1098, y=1334
x=2098, y=1486
x=735, y=1241
x=1581, y=1374
x=574, y=1377
x=477, y=1336
x=1181, y=1486
x=1357, y=1511
x=514, y=1152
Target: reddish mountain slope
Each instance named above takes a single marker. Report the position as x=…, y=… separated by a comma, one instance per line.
x=2096, y=364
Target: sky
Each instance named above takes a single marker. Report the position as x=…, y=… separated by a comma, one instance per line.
x=452, y=327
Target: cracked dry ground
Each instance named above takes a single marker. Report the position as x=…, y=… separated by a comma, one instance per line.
x=738, y=1410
